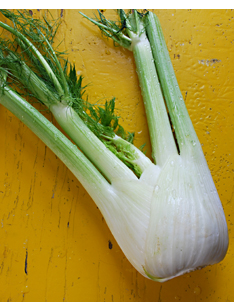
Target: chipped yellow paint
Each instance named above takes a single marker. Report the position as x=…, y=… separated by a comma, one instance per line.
x=54, y=243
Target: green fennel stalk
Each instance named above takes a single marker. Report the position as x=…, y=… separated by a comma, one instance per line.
x=185, y=133
x=67, y=108
x=63, y=148
x=141, y=33
x=130, y=33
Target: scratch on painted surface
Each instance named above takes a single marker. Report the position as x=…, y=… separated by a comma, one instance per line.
x=159, y=297
x=26, y=263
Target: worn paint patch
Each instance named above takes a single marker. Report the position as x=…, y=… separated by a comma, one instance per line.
x=209, y=62
x=110, y=245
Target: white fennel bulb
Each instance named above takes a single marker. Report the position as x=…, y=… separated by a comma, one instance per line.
x=170, y=221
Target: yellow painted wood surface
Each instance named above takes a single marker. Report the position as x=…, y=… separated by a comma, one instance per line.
x=49, y=222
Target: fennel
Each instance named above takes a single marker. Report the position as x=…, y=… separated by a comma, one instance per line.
x=166, y=216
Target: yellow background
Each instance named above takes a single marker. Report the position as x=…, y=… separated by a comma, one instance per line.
x=47, y=217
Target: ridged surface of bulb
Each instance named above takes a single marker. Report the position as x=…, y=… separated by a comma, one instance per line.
x=187, y=228
x=170, y=221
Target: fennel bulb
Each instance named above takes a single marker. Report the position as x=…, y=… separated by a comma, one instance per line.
x=166, y=215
